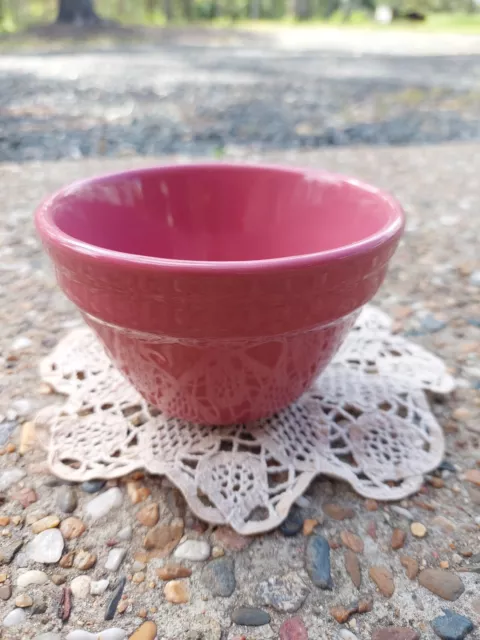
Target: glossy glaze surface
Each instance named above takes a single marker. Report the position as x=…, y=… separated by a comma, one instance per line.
x=220, y=290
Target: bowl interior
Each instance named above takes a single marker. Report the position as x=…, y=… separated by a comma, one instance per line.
x=222, y=212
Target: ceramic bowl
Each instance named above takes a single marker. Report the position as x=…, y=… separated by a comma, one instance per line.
x=220, y=291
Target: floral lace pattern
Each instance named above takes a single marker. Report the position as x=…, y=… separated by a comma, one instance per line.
x=366, y=421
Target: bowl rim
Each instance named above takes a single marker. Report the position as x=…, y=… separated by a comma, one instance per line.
x=50, y=232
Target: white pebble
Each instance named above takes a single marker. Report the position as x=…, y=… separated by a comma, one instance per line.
x=402, y=512
x=46, y=547
x=475, y=279
x=344, y=634
x=15, y=618
x=22, y=342
x=194, y=550
x=104, y=503
x=98, y=587
x=125, y=533
x=31, y=577
x=109, y=634
x=80, y=586
x=9, y=477
x=115, y=559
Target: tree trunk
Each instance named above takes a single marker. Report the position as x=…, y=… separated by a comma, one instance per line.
x=77, y=12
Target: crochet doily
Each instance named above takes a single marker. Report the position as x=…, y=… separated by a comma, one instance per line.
x=366, y=421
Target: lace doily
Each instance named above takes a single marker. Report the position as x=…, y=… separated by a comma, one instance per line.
x=366, y=421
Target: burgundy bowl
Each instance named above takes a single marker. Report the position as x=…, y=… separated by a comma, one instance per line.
x=220, y=291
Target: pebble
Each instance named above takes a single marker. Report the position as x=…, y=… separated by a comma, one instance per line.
x=336, y=512
x=80, y=587
x=66, y=499
x=23, y=601
x=176, y=592
x=352, y=567
x=15, y=618
x=371, y=505
x=66, y=561
x=193, y=550
x=218, y=577
x=104, y=503
x=115, y=558
x=31, y=577
x=250, y=617
x=230, y=539
x=400, y=511
x=285, y=594
x=84, y=560
x=137, y=492
x=173, y=572
x=398, y=539
x=473, y=476
x=418, y=529
x=58, y=579
x=164, y=538
x=293, y=629
x=27, y=438
x=98, y=587
x=395, y=633
x=39, y=605
x=146, y=631
x=293, y=523
x=50, y=522
x=444, y=524
x=317, y=562
x=383, y=578
x=112, y=604
x=138, y=577
x=445, y=584
x=48, y=636
x=92, y=486
x=452, y=626
x=352, y=541
x=20, y=343
x=5, y=592
x=125, y=534
x=345, y=634
x=411, y=566
x=46, y=547
x=9, y=551
x=72, y=528
x=309, y=526
x=138, y=566
x=149, y=515
x=109, y=634
x=25, y=496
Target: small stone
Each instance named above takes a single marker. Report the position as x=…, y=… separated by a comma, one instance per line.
x=309, y=526
x=444, y=524
x=72, y=528
x=146, y=631
x=342, y=614
x=21, y=343
x=50, y=522
x=176, y=592
x=104, y=503
x=122, y=606
x=58, y=579
x=39, y=605
x=4, y=521
x=142, y=613
x=398, y=539
x=139, y=566
x=293, y=629
x=98, y=587
x=452, y=626
x=17, y=520
x=25, y=496
x=113, y=603
x=371, y=505
x=250, y=617
x=336, y=512
x=92, y=486
x=473, y=476
x=217, y=552
x=317, y=562
x=352, y=541
x=230, y=539
x=80, y=587
x=115, y=558
x=218, y=576
x=137, y=492
x=84, y=560
x=125, y=534
x=66, y=561
x=46, y=547
x=437, y=483
x=27, y=438
x=66, y=499
x=3, y=577
x=173, y=572
x=9, y=551
x=411, y=566
x=444, y=584
x=372, y=529
x=15, y=618
x=31, y=577
x=285, y=594
x=383, y=578
x=395, y=633
x=444, y=564
x=418, y=529
x=138, y=577
x=345, y=634
x=23, y=601
x=293, y=523
x=164, y=538
x=5, y=592
x=10, y=477
x=193, y=550
x=149, y=515
x=352, y=567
